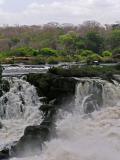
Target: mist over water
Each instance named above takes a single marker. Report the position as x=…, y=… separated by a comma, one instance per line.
x=81, y=136
x=85, y=137
x=18, y=109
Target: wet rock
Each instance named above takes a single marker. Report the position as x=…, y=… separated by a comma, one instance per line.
x=55, y=90
x=46, y=108
x=1, y=125
x=44, y=100
x=89, y=108
x=4, y=154
x=52, y=86
x=35, y=136
x=31, y=142
x=1, y=92
x=5, y=86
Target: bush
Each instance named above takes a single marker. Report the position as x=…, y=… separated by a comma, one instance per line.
x=25, y=51
x=48, y=52
x=85, y=71
x=94, y=57
x=52, y=60
x=78, y=58
x=116, y=51
x=106, y=54
x=86, y=53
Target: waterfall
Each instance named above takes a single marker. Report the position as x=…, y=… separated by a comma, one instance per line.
x=18, y=108
x=93, y=94
x=93, y=136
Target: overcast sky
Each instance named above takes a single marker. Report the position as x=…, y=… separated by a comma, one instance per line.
x=29, y=12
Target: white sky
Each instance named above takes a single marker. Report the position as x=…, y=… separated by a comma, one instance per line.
x=29, y=12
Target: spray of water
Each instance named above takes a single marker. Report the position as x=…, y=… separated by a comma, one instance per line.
x=93, y=136
x=18, y=109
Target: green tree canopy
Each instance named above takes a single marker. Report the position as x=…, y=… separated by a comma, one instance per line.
x=68, y=41
x=115, y=39
x=94, y=42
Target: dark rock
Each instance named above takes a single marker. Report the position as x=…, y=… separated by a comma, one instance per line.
x=1, y=125
x=22, y=99
x=32, y=141
x=55, y=90
x=47, y=107
x=52, y=86
x=5, y=100
x=1, y=92
x=44, y=100
x=35, y=136
x=4, y=154
x=5, y=86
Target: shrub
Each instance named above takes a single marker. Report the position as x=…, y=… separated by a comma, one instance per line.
x=116, y=51
x=84, y=71
x=106, y=54
x=93, y=57
x=78, y=58
x=48, y=52
x=86, y=53
x=52, y=60
x=25, y=51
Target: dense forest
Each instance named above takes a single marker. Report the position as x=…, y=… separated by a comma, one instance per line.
x=53, y=43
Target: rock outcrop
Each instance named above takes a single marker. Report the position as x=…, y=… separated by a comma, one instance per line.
x=55, y=90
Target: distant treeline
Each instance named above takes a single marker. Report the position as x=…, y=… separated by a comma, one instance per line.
x=89, y=40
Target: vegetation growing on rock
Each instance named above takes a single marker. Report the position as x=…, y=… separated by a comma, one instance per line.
x=86, y=71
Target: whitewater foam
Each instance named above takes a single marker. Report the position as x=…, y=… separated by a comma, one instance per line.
x=18, y=108
x=94, y=136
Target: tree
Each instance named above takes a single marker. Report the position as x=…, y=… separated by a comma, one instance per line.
x=115, y=39
x=94, y=42
x=116, y=51
x=68, y=41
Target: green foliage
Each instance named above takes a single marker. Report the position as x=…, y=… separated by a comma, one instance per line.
x=94, y=42
x=52, y=60
x=86, y=53
x=115, y=39
x=48, y=52
x=63, y=43
x=106, y=54
x=116, y=51
x=68, y=41
x=93, y=57
x=80, y=43
x=78, y=58
x=91, y=71
x=25, y=51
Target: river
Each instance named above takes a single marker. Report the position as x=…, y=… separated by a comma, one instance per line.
x=91, y=131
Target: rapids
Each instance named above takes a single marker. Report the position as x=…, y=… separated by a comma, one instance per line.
x=92, y=136
x=85, y=138
x=18, y=109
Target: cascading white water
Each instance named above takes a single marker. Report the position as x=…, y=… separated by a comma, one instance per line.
x=96, y=93
x=18, y=108
x=94, y=136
